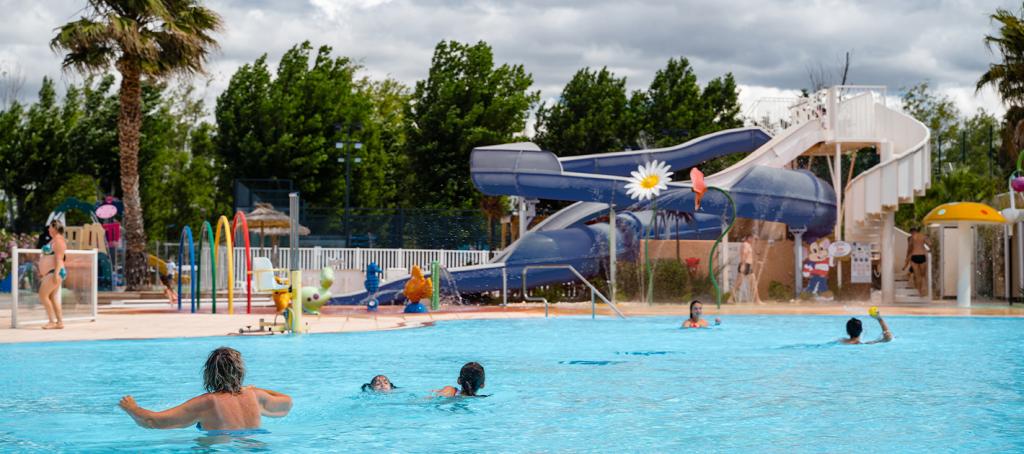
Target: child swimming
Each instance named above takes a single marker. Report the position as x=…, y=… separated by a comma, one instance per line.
x=379, y=383
x=227, y=405
x=471, y=380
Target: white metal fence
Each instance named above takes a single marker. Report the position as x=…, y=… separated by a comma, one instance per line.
x=313, y=258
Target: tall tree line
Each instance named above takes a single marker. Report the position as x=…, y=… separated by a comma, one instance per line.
x=58, y=148
x=299, y=119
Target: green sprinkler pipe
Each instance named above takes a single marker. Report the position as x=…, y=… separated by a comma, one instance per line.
x=435, y=276
x=711, y=258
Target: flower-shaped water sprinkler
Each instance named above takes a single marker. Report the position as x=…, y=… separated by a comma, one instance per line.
x=699, y=187
x=649, y=180
x=646, y=183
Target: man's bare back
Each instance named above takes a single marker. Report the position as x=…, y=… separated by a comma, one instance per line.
x=917, y=244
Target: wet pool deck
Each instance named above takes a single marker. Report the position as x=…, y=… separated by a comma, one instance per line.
x=162, y=322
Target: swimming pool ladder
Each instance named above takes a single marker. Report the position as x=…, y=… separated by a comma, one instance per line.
x=594, y=292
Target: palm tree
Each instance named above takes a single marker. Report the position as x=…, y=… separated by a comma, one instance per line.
x=1007, y=76
x=151, y=38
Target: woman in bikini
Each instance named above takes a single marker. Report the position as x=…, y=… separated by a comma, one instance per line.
x=695, y=320
x=227, y=405
x=52, y=274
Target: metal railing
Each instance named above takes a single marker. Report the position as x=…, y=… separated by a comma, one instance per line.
x=594, y=292
x=315, y=258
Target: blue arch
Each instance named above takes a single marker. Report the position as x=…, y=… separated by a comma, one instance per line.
x=186, y=232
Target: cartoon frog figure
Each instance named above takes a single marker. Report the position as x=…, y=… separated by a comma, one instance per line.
x=816, y=268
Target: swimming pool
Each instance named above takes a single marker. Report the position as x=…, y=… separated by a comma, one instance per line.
x=757, y=383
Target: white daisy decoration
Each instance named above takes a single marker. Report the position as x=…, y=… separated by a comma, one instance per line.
x=649, y=180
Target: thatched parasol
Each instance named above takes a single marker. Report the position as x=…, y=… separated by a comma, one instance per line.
x=270, y=222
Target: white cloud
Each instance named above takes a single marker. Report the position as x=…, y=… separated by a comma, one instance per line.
x=767, y=45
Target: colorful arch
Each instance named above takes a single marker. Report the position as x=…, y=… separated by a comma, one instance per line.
x=248, y=257
x=186, y=232
x=223, y=224
x=206, y=231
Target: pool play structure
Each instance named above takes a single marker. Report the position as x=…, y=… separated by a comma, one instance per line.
x=764, y=186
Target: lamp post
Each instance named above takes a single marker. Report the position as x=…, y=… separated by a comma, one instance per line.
x=348, y=179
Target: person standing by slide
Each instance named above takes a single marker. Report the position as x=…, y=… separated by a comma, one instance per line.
x=745, y=270
x=917, y=259
x=52, y=274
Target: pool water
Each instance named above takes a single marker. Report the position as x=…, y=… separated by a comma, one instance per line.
x=755, y=384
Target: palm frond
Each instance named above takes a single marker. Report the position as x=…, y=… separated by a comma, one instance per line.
x=161, y=37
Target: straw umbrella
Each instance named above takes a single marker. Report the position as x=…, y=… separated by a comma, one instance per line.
x=275, y=232
x=270, y=222
x=265, y=217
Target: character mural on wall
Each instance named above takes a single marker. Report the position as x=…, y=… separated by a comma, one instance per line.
x=816, y=268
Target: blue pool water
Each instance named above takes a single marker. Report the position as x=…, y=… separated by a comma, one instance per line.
x=755, y=384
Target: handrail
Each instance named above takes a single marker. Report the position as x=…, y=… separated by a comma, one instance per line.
x=593, y=290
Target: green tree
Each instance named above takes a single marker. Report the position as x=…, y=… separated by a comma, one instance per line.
x=939, y=113
x=465, y=102
x=963, y=169
x=381, y=179
x=592, y=115
x=1007, y=77
x=676, y=109
x=34, y=167
x=287, y=126
x=182, y=180
x=141, y=39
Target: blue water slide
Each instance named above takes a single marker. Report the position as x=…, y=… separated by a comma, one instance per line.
x=678, y=157
x=525, y=170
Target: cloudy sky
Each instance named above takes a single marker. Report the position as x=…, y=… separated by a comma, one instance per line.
x=767, y=44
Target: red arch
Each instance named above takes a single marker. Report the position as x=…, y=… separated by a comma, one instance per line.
x=248, y=257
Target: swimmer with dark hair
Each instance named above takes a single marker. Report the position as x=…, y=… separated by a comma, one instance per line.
x=695, y=320
x=854, y=329
x=227, y=404
x=471, y=380
x=379, y=384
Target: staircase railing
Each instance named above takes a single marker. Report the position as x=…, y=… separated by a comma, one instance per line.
x=594, y=292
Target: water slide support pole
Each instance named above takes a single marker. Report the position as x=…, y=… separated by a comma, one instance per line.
x=798, y=252
x=613, y=228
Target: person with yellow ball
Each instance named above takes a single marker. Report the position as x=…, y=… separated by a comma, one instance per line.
x=854, y=329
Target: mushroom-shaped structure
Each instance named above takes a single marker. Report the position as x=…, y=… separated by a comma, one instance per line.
x=963, y=215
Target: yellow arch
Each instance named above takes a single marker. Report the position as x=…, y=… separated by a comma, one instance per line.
x=226, y=225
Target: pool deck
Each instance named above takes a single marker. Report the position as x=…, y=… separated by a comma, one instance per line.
x=162, y=322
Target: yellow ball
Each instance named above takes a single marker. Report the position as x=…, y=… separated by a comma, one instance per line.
x=873, y=311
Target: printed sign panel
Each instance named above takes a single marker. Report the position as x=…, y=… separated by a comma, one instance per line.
x=860, y=263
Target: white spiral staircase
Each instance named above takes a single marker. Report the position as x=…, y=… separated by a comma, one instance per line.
x=861, y=117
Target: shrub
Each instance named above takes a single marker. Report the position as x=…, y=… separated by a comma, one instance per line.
x=779, y=292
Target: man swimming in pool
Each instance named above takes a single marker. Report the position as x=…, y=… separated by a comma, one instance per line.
x=695, y=320
x=854, y=330
x=227, y=405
